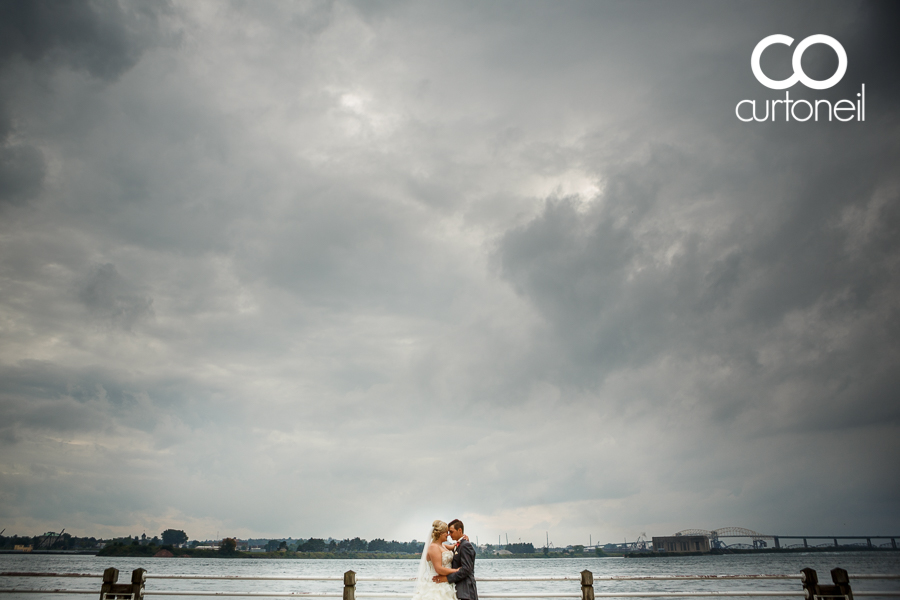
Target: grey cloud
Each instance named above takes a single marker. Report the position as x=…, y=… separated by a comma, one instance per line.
x=292, y=245
x=41, y=397
x=21, y=172
x=104, y=39
x=602, y=278
x=747, y=254
x=111, y=298
x=876, y=51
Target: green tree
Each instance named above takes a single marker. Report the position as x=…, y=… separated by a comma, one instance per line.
x=173, y=537
x=228, y=546
x=312, y=545
x=358, y=545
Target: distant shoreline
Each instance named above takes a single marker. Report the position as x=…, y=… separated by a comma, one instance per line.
x=727, y=551
x=188, y=553
x=149, y=552
x=42, y=552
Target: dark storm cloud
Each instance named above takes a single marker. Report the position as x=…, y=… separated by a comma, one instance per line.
x=614, y=299
x=281, y=253
x=104, y=40
x=775, y=259
x=21, y=172
x=876, y=47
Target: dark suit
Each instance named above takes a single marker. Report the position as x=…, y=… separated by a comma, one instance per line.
x=464, y=560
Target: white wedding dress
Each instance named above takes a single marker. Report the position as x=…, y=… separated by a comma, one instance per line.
x=426, y=589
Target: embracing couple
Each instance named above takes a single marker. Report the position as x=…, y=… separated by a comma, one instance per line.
x=447, y=572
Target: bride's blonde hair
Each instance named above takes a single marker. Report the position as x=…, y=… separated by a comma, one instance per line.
x=437, y=529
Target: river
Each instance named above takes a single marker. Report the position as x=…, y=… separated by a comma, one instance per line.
x=823, y=562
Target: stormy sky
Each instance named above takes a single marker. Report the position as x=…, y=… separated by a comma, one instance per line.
x=339, y=269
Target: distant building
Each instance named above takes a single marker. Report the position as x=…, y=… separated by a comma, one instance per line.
x=681, y=543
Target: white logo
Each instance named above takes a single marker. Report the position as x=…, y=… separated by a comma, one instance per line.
x=799, y=75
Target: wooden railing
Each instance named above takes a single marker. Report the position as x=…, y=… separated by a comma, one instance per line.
x=137, y=588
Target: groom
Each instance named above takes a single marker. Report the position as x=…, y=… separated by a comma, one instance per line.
x=464, y=560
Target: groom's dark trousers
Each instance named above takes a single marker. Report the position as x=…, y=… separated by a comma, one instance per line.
x=464, y=560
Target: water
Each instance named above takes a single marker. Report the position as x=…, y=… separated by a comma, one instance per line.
x=854, y=562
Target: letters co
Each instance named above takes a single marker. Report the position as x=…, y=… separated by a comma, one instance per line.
x=841, y=110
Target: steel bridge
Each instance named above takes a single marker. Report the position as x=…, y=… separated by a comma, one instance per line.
x=762, y=540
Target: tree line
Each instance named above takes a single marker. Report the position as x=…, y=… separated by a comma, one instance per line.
x=48, y=542
x=177, y=537
x=358, y=545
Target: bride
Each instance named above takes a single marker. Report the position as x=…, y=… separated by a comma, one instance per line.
x=436, y=559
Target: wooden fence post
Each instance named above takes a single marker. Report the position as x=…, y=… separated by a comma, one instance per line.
x=138, y=577
x=112, y=589
x=842, y=582
x=350, y=585
x=110, y=577
x=587, y=585
x=813, y=588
